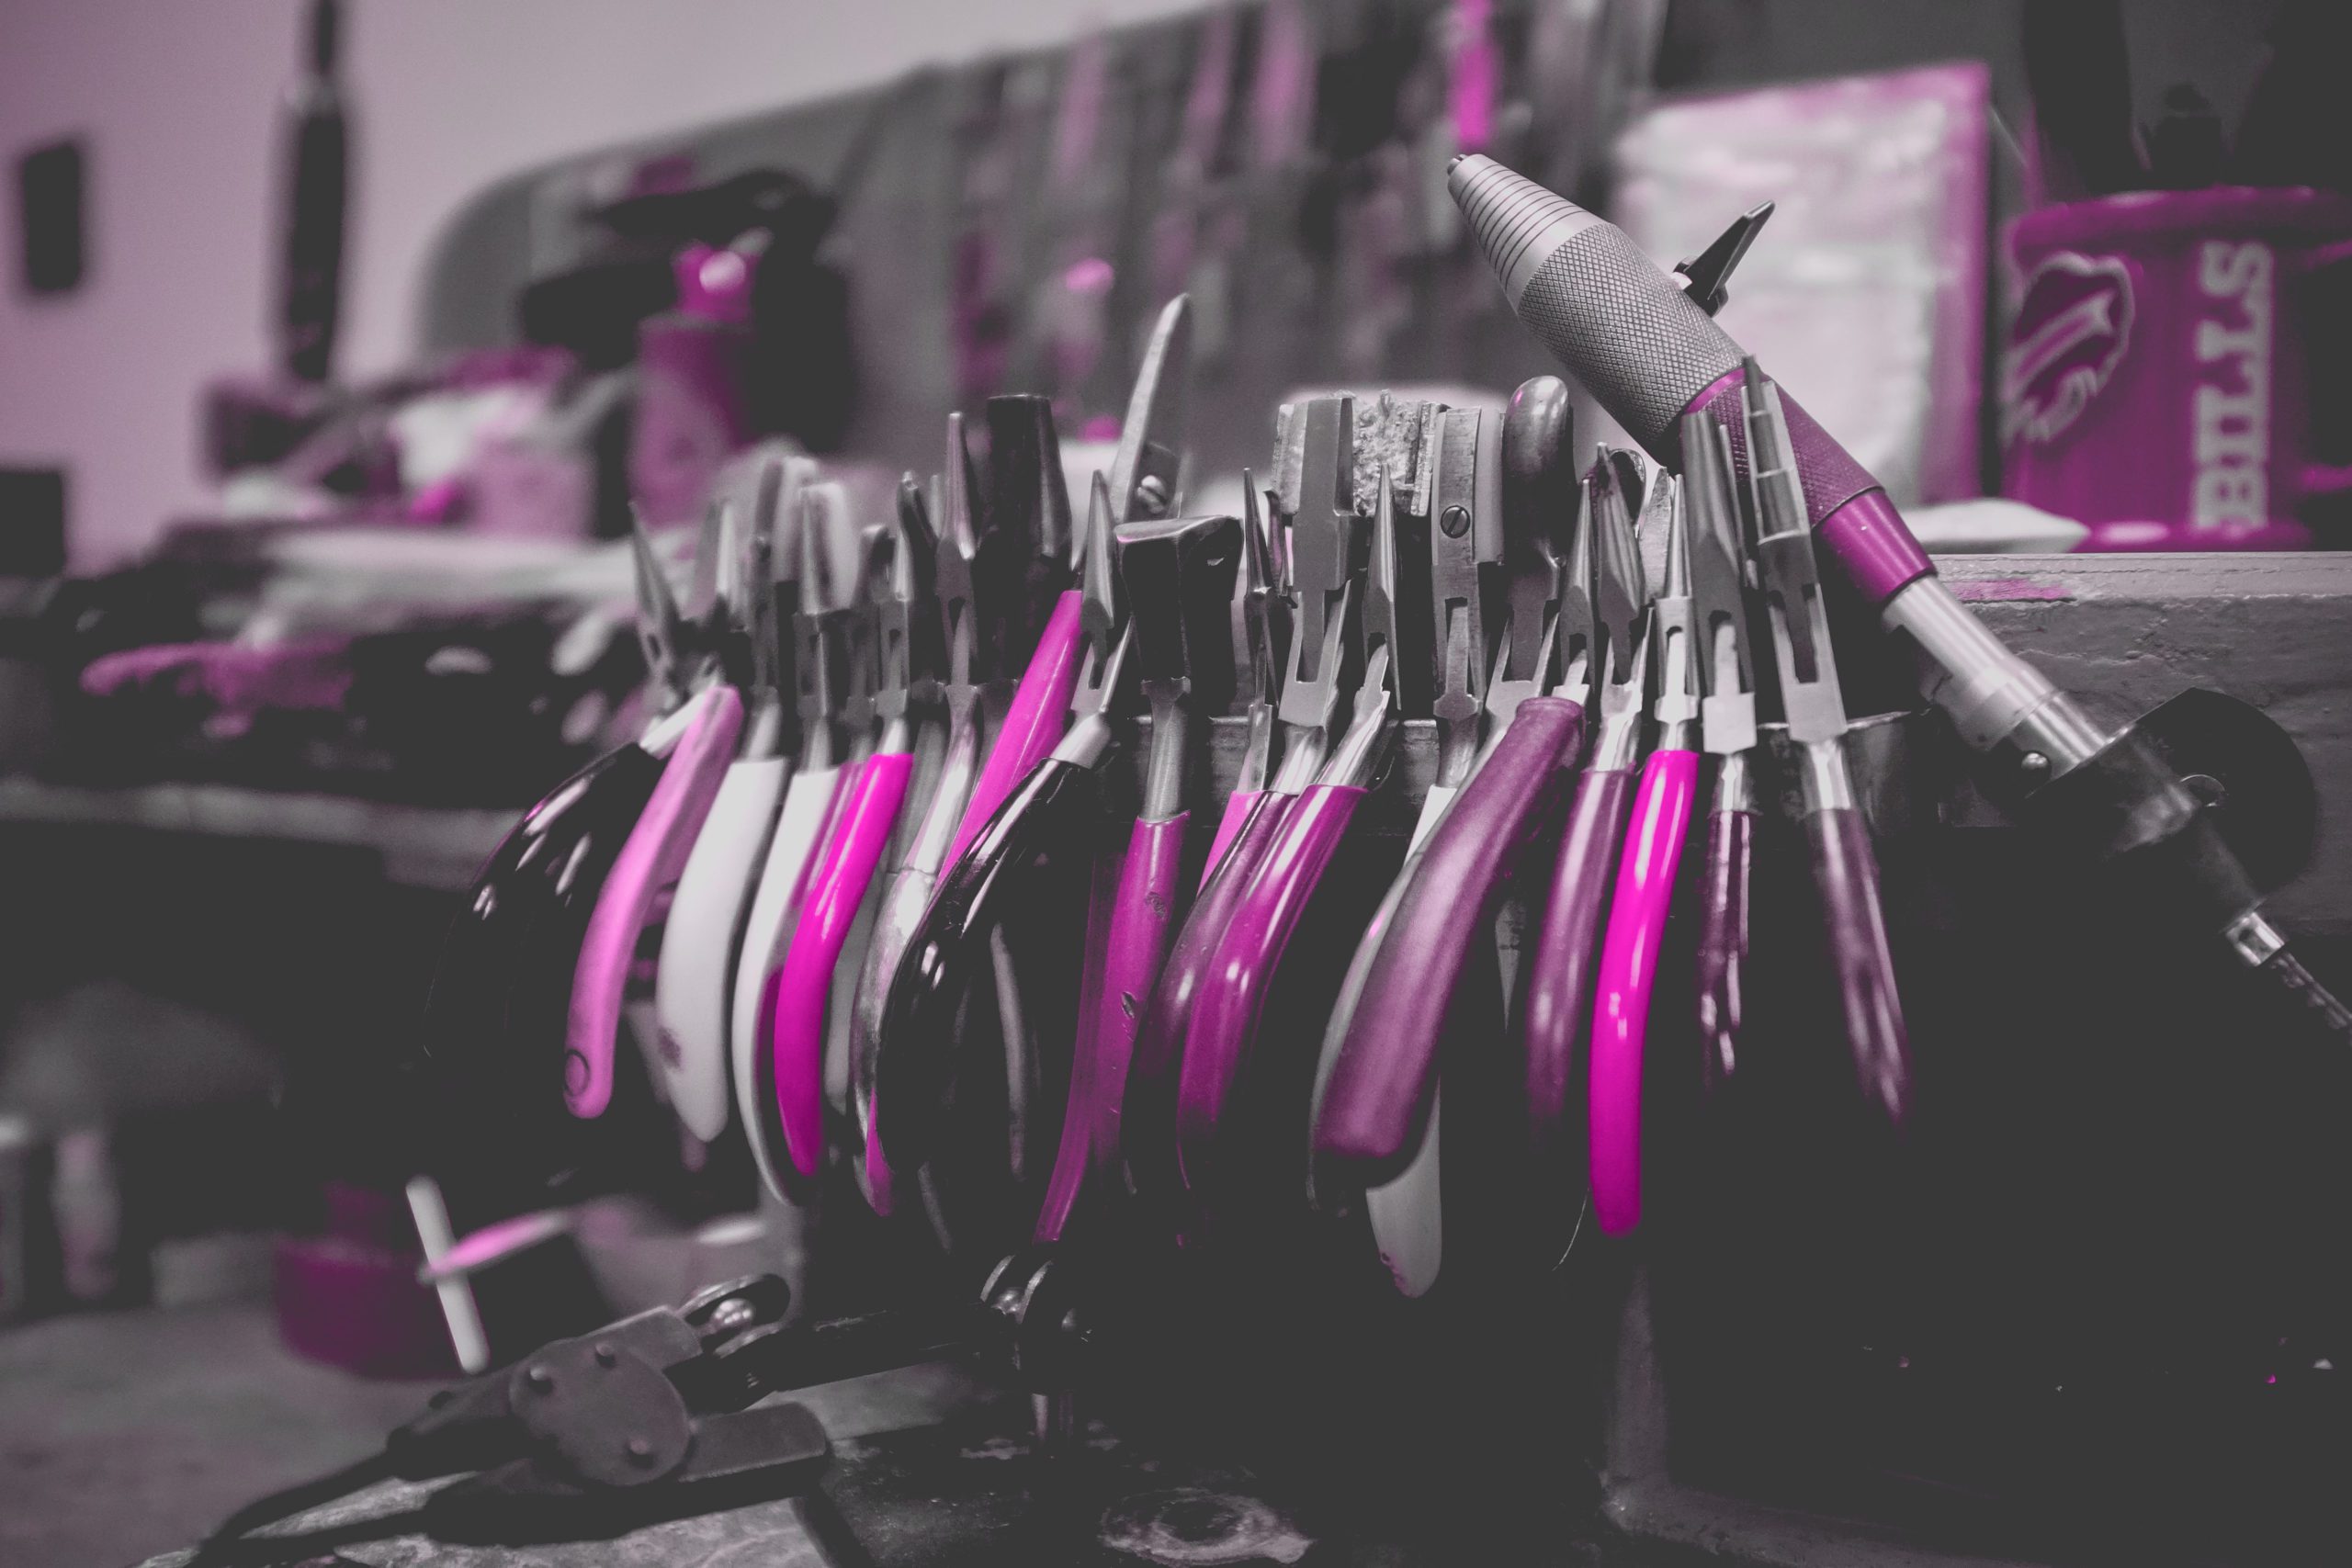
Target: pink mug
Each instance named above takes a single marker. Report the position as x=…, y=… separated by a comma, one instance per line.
x=2158, y=379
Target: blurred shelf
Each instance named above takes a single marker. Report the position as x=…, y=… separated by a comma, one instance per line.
x=421, y=846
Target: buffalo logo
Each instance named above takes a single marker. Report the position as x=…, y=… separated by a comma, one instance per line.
x=2073, y=329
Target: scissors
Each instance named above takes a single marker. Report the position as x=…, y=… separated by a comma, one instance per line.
x=898, y=598
x=1557, y=1010
x=1645, y=874
x=1376, y=1108
x=701, y=940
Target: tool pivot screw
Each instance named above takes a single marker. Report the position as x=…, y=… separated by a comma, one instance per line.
x=639, y=1450
x=2035, y=763
x=541, y=1379
x=606, y=1356
x=1455, y=521
x=1152, y=492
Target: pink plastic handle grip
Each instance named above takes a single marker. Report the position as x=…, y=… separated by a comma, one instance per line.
x=651, y=858
x=1559, y=987
x=1225, y=1018
x=1237, y=806
x=1142, y=927
x=1620, y=1008
x=1722, y=942
x=1033, y=725
x=1375, y=1110
x=861, y=832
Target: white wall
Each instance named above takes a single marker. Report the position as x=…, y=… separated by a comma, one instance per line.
x=176, y=100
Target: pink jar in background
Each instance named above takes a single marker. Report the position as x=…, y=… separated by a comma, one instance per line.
x=2157, y=382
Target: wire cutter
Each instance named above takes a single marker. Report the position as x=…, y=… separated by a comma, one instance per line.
x=1225, y=1020
x=1727, y=730
x=898, y=594
x=655, y=852
x=1377, y=1115
x=1644, y=890
x=701, y=941
x=821, y=628
x=1844, y=872
x=1559, y=966
x=1324, y=532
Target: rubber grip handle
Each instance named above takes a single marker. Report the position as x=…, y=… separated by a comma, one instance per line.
x=651, y=858
x=1033, y=725
x=1226, y=1015
x=1621, y=1008
x=691, y=983
x=1845, y=872
x=916, y=1039
x=1559, y=989
x=1148, y=1117
x=1238, y=808
x=1142, y=927
x=809, y=802
x=1375, y=1110
x=902, y=911
x=1722, y=942
x=804, y=984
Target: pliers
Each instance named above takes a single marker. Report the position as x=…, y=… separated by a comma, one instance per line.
x=494, y=1030
x=972, y=673
x=1845, y=874
x=1222, y=1034
x=1084, y=630
x=1727, y=728
x=822, y=628
x=1377, y=1115
x=710, y=717
x=1559, y=965
x=1323, y=540
x=1645, y=875
x=702, y=939
x=1179, y=577
x=897, y=592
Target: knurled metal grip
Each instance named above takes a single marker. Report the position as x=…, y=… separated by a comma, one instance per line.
x=1590, y=296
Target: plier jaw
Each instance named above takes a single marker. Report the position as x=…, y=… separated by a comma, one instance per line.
x=1718, y=589
x=1790, y=579
x=1674, y=701
x=820, y=664
x=1148, y=466
x=661, y=626
x=1102, y=611
x=1619, y=596
x=1323, y=547
x=1028, y=550
x=1462, y=460
x=898, y=581
x=1180, y=575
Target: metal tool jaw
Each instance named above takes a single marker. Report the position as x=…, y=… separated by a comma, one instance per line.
x=1790, y=581
x=1704, y=278
x=973, y=654
x=1620, y=620
x=1675, y=696
x=1464, y=466
x=1260, y=628
x=1540, y=504
x=1574, y=632
x=751, y=598
x=1180, y=575
x=1103, y=623
x=1717, y=559
x=898, y=590
x=1147, y=466
x=1027, y=551
x=661, y=626
x=1324, y=532
x=821, y=626
x=1376, y=624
